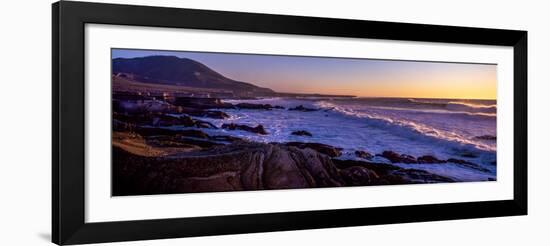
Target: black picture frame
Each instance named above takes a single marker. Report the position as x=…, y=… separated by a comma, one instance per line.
x=68, y=122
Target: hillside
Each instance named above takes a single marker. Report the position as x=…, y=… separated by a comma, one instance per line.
x=172, y=70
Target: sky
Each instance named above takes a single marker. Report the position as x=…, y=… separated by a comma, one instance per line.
x=346, y=76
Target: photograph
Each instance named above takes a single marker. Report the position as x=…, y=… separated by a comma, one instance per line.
x=275, y=123
x=192, y=121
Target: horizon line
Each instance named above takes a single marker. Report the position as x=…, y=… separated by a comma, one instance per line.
x=355, y=96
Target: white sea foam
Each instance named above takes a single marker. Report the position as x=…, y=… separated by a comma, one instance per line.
x=376, y=126
x=399, y=124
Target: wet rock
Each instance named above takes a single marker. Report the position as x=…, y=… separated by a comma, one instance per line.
x=162, y=120
x=122, y=126
x=190, y=122
x=397, y=158
x=429, y=159
x=358, y=176
x=468, y=164
x=154, y=131
x=179, y=141
x=257, y=106
x=421, y=176
x=143, y=106
x=194, y=134
x=136, y=119
x=379, y=168
x=259, y=129
x=302, y=133
x=303, y=109
x=246, y=166
x=167, y=120
x=214, y=114
x=459, y=161
x=129, y=96
x=363, y=154
x=387, y=174
x=162, y=137
x=224, y=138
x=321, y=148
x=243, y=166
x=158, y=145
x=202, y=103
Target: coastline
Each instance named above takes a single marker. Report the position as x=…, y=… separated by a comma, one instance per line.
x=150, y=156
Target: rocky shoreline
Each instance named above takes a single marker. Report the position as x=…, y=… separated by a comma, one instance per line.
x=149, y=157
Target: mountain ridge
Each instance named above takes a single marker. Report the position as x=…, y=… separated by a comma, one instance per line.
x=174, y=70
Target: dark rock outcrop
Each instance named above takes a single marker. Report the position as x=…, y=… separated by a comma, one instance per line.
x=145, y=106
x=302, y=133
x=187, y=139
x=363, y=154
x=214, y=114
x=259, y=129
x=167, y=120
x=122, y=126
x=303, y=109
x=321, y=148
x=154, y=131
x=458, y=161
x=193, y=134
x=257, y=106
x=186, y=121
x=428, y=159
x=359, y=176
x=162, y=120
x=250, y=166
x=387, y=174
x=202, y=103
x=397, y=158
x=223, y=138
x=168, y=141
x=468, y=164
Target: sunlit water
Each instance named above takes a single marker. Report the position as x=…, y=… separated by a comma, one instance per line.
x=441, y=128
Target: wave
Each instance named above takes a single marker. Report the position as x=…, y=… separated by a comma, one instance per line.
x=472, y=108
x=460, y=106
x=407, y=127
x=436, y=111
x=427, y=102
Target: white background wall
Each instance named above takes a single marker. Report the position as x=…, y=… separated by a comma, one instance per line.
x=25, y=100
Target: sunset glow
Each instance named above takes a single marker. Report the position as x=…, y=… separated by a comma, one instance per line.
x=297, y=122
x=344, y=76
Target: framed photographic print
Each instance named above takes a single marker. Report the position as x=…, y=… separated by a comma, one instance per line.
x=176, y=122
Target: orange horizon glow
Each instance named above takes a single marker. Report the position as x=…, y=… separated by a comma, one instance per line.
x=468, y=82
x=411, y=90
x=439, y=86
x=345, y=76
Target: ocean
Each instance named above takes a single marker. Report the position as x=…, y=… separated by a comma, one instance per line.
x=443, y=128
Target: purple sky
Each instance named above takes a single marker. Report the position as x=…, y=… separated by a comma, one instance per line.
x=362, y=77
